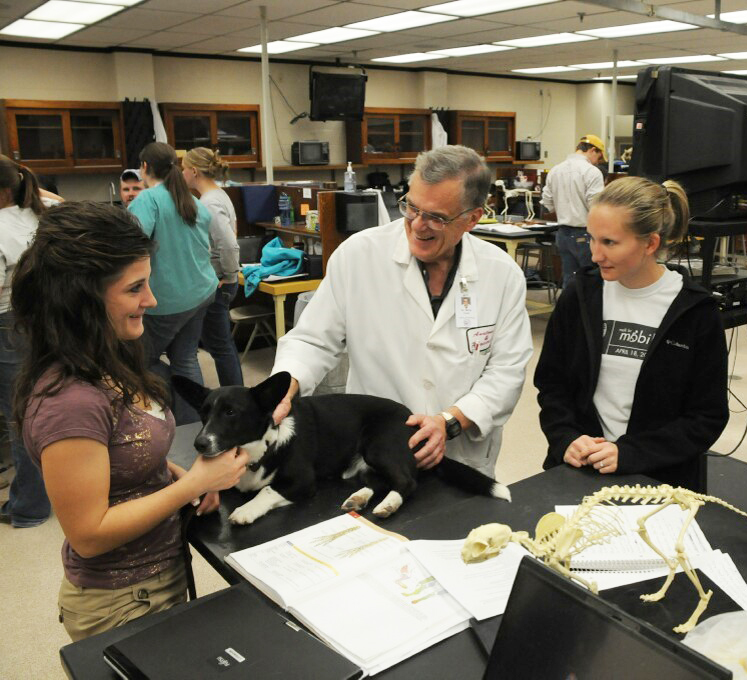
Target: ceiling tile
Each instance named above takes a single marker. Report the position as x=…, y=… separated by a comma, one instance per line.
x=165, y=40
x=399, y=5
x=344, y=13
x=197, y=6
x=104, y=35
x=276, y=9
x=216, y=25
x=146, y=19
x=15, y=9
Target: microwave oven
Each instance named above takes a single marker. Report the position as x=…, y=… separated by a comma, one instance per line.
x=310, y=153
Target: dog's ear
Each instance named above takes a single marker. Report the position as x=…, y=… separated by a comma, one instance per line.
x=270, y=392
x=193, y=393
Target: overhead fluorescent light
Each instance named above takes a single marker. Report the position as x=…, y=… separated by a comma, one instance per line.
x=608, y=64
x=738, y=72
x=734, y=55
x=739, y=17
x=471, y=49
x=646, y=28
x=408, y=58
x=400, y=21
x=544, y=69
x=49, y=30
x=278, y=47
x=73, y=12
x=685, y=59
x=332, y=35
x=473, y=8
x=618, y=77
x=551, y=39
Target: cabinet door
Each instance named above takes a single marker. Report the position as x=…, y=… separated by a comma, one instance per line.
x=381, y=136
x=237, y=134
x=40, y=139
x=472, y=133
x=95, y=137
x=499, y=137
x=412, y=135
x=191, y=130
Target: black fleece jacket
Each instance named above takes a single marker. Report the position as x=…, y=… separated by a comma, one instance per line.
x=680, y=402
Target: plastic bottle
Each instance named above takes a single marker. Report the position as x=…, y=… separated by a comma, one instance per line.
x=349, y=180
x=286, y=210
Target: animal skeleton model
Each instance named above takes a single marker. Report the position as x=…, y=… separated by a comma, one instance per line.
x=512, y=193
x=558, y=539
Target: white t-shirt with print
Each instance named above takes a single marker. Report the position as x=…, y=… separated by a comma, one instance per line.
x=632, y=317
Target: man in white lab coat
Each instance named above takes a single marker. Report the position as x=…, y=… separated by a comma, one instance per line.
x=430, y=315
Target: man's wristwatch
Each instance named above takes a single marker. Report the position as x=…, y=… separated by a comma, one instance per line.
x=453, y=426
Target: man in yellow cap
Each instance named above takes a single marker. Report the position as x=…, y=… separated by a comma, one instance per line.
x=569, y=187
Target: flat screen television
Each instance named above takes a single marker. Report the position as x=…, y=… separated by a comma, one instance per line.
x=337, y=96
x=527, y=150
x=691, y=126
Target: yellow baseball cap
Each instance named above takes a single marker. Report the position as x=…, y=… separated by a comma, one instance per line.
x=597, y=143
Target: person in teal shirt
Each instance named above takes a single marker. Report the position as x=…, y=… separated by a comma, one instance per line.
x=182, y=278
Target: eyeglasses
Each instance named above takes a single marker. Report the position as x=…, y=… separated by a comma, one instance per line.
x=410, y=212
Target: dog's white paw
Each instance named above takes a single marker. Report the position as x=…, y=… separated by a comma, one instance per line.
x=389, y=505
x=261, y=504
x=244, y=514
x=358, y=500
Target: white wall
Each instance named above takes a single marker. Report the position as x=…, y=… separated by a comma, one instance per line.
x=555, y=113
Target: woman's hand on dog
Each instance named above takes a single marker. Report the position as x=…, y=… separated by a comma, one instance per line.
x=432, y=433
x=219, y=472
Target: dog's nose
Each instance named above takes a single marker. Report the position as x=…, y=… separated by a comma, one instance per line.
x=201, y=443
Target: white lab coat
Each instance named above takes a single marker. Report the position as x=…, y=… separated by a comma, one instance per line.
x=373, y=300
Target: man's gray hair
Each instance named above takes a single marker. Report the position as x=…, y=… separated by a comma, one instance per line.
x=456, y=162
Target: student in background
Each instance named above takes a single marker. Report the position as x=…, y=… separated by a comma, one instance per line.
x=130, y=185
x=20, y=207
x=98, y=422
x=182, y=279
x=568, y=190
x=201, y=168
x=633, y=372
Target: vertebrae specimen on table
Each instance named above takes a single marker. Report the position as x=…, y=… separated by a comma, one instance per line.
x=557, y=539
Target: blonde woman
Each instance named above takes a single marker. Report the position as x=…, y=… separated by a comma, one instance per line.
x=201, y=168
x=632, y=375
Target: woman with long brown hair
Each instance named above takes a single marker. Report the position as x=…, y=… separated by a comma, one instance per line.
x=98, y=422
x=182, y=279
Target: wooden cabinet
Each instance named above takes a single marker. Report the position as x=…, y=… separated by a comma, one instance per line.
x=490, y=133
x=64, y=137
x=388, y=136
x=231, y=129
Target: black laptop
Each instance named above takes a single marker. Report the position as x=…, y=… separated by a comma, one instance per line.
x=555, y=629
x=231, y=634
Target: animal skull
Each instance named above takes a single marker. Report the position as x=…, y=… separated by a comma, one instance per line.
x=485, y=541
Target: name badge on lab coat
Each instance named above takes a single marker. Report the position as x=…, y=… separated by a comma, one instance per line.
x=465, y=306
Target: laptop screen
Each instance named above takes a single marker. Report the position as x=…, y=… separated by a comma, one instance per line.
x=555, y=629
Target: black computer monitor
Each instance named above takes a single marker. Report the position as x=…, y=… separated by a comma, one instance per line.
x=555, y=629
x=355, y=211
x=337, y=96
x=691, y=126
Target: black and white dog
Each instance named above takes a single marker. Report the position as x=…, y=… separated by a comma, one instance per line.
x=323, y=436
